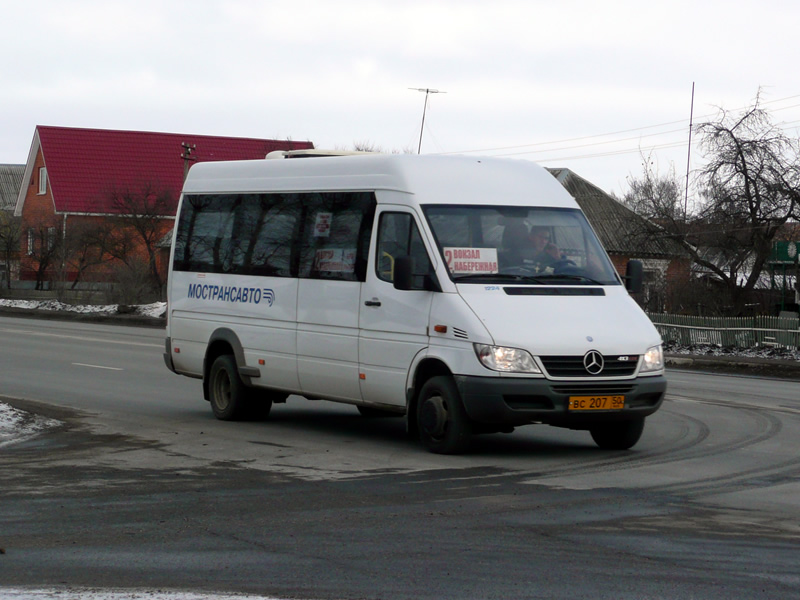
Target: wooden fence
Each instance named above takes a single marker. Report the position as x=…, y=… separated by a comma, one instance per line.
x=741, y=332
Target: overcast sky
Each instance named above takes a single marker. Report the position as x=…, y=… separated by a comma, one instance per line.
x=536, y=80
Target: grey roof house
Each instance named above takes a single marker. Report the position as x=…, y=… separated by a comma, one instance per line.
x=10, y=184
x=626, y=235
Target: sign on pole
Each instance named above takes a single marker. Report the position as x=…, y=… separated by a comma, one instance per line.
x=784, y=253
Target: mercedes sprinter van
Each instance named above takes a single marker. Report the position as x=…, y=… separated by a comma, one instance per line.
x=467, y=295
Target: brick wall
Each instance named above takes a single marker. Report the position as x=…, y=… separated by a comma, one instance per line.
x=39, y=214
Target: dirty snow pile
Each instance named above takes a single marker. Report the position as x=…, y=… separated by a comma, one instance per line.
x=156, y=309
x=17, y=425
x=715, y=350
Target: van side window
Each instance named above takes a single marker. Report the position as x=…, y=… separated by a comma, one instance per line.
x=262, y=235
x=336, y=231
x=398, y=235
x=246, y=234
x=204, y=223
x=314, y=235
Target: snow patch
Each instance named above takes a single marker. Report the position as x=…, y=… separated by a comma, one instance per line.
x=18, y=425
x=156, y=309
x=715, y=350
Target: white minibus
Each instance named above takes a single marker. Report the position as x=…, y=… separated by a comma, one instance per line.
x=468, y=295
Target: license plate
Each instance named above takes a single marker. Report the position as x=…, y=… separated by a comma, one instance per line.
x=596, y=402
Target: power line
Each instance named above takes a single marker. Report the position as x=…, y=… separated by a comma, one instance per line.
x=613, y=141
x=576, y=139
x=627, y=150
x=603, y=154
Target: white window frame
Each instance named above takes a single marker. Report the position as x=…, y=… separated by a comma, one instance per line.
x=42, y=180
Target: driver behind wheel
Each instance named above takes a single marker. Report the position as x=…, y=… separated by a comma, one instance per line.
x=530, y=250
x=546, y=252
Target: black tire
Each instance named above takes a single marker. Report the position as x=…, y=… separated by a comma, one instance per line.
x=231, y=399
x=444, y=427
x=619, y=435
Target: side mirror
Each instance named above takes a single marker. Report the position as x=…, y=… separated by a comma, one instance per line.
x=633, y=276
x=403, y=273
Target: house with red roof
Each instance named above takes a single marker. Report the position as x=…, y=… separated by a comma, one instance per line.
x=91, y=199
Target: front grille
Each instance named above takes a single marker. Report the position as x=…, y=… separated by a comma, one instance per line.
x=593, y=389
x=572, y=366
x=554, y=291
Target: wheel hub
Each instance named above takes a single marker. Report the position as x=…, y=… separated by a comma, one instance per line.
x=223, y=391
x=433, y=416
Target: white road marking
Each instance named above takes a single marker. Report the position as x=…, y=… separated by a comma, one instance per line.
x=98, y=367
x=80, y=337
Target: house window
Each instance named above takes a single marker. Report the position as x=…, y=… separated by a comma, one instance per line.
x=51, y=237
x=42, y=180
x=31, y=240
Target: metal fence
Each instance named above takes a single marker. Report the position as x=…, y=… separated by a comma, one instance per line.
x=741, y=332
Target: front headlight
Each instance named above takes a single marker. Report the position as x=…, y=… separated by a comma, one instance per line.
x=653, y=360
x=507, y=360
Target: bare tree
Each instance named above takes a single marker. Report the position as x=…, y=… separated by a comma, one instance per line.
x=368, y=146
x=656, y=197
x=85, y=245
x=142, y=223
x=10, y=232
x=44, y=248
x=749, y=189
x=752, y=188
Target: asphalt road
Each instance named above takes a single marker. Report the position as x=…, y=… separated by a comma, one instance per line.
x=142, y=488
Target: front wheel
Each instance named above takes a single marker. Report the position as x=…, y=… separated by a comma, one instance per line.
x=444, y=427
x=619, y=435
x=231, y=399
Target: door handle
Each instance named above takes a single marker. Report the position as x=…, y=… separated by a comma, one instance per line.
x=373, y=302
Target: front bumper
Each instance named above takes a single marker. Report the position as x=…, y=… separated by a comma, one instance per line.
x=520, y=401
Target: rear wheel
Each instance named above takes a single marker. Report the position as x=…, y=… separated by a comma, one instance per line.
x=444, y=427
x=619, y=435
x=231, y=399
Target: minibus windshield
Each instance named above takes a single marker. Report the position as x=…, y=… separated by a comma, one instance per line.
x=527, y=245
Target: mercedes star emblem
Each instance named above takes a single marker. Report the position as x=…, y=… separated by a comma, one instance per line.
x=593, y=362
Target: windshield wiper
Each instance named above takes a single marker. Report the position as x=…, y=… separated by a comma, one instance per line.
x=494, y=276
x=571, y=277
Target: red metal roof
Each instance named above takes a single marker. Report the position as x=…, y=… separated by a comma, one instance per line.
x=85, y=165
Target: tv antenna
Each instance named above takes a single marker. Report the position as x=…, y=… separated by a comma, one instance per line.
x=427, y=91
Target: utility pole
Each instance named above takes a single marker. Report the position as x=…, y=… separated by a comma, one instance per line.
x=688, y=161
x=427, y=91
x=187, y=157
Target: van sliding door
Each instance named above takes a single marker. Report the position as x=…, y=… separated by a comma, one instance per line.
x=332, y=264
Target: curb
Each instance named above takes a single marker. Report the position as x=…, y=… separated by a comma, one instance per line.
x=735, y=365
x=65, y=315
